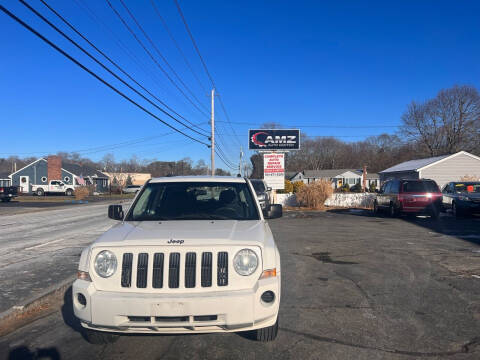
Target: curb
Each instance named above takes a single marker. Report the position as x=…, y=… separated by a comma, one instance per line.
x=34, y=308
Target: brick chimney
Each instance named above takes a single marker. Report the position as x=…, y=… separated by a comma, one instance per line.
x=54, y=167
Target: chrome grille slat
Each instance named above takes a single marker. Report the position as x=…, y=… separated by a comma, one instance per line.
x=222, y=269
x=174, y=271
x=127, y=269
x=190, y=267
x=142, y=270
x=206, y=269
x=157, y=278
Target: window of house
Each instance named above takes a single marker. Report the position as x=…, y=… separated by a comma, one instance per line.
x=66, y=179
x=44, y=179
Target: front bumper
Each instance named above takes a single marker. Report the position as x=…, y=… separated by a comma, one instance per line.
x=220, y=311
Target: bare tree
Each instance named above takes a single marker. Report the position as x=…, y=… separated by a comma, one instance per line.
x=448, y=123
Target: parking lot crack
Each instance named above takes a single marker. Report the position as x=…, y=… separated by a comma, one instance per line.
x=464, y=348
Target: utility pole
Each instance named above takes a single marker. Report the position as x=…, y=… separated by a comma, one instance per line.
x=240, y=162
x=212, y=138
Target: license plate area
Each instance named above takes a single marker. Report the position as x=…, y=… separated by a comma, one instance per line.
x=169, y=309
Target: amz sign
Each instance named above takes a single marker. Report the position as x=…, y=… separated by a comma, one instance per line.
x=274, y=139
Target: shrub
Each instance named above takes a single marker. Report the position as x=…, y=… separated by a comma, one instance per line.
x=297, y=185
x=81, y=192
x=356, y=188
x=288, y=188
x=315, y=194
x=344, y=188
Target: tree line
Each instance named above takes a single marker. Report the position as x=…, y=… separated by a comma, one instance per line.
x=445, y=124
x=108, y=164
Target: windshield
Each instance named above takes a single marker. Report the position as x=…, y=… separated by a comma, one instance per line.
x=467, y=187
x=259, y=186
x=194, y=201
x=420, y=186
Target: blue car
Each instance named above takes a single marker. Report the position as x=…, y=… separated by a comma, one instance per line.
x=462, y=198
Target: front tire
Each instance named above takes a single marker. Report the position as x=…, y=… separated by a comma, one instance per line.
x=99, y=337
x=267, y=334
x=69, y=192
x=40, y=192
x=456, y=211
x=375, y=208
x=392, y=211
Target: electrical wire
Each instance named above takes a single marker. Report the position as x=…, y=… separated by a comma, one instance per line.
x=122, y=20
x=111, y=61
x=180, y=12
x=115, y=64
x=159, y=53
x=167, y=29
x=83, y=67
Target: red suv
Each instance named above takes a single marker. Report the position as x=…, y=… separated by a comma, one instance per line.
x=409, y=196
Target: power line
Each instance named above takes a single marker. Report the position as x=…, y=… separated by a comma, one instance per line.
x=153, y=58
x=83, y=67
x=109, y=59
x=167, y=29
x=322, y=126
x=204, y=65
x=159, y=52
x=194, y=42
x=226, y=164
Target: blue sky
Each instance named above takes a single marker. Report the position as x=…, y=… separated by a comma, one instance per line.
x=311, y=63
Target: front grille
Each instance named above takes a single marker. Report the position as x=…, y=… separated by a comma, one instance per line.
x=174, y=269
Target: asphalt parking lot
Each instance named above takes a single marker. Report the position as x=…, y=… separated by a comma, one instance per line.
x=354, y=286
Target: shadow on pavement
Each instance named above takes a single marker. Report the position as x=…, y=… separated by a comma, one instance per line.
x=24, y=353
x=467, y=228
x=69, y=317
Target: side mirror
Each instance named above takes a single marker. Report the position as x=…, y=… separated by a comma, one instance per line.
x=115, y=212
x=269, y=188
x=274, y=211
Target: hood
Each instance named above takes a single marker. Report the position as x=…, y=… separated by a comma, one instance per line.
x=472, y=195
x=192, y=232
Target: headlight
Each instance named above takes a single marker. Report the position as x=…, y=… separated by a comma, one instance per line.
x=464, y=198
x=245, y=262
x=105, y=263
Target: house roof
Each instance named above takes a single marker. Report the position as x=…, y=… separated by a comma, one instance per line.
x=414, y=165
x=329, y=173
x=372, y=175
x=4, y=175
x=82, y=170
x=290, y=174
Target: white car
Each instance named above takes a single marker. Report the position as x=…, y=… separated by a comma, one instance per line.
x=190, y=255
x=131, y=189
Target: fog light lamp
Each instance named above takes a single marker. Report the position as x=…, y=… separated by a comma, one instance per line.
x=268, y=296
x=81, y=299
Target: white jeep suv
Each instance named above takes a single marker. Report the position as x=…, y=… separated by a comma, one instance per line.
x=190, y=255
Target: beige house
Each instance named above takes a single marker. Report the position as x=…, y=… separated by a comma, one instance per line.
x=118, y=178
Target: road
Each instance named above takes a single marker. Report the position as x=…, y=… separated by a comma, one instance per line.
x=354, y=287
x=38, y=249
